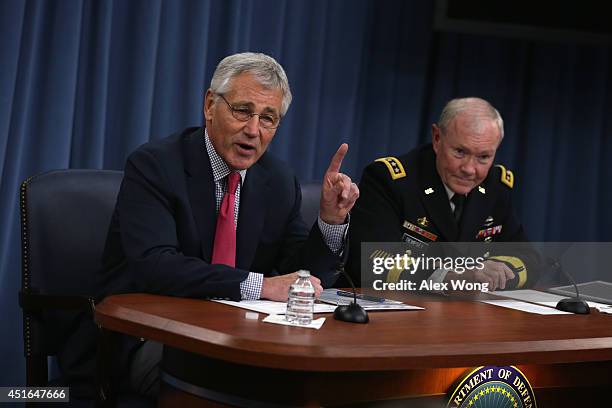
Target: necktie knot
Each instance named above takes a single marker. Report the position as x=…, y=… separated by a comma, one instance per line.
x=232, y=182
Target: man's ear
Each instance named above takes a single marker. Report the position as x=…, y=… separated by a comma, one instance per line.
x=209, y=101
x=435, y=137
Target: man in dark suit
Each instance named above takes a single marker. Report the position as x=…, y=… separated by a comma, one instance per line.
x=445, y=191
x=207, y=213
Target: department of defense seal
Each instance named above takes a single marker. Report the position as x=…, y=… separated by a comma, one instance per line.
x=492, y=386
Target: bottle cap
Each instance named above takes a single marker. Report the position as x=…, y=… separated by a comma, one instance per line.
x=303, y=273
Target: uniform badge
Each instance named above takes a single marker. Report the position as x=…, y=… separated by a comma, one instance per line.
x=418, y=230
x=482, y=189
x=429, y=191
x=396, y=170
x=507, y=177
x=414, y=242
x=423, y=222
x=489, y=232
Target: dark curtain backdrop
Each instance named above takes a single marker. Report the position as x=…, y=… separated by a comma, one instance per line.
x=83, y=83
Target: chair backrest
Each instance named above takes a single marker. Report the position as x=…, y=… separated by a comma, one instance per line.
x=311, y=196
x=65, y=216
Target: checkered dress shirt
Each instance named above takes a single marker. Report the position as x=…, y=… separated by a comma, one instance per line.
x=250, y=288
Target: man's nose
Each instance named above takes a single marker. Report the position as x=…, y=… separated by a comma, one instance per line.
x=468, y=166
x=251, y=126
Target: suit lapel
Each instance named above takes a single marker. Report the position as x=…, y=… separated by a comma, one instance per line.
x=201, y=190
x=251, y=216
x=435, y=199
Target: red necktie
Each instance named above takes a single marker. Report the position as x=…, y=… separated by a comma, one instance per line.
x=224, y=247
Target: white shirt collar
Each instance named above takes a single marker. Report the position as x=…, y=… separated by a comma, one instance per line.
x=450, y=193
x=220, y=168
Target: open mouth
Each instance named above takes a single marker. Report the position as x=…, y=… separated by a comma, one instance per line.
x=245, y=147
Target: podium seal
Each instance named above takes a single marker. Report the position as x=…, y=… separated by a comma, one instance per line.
x=492, y=386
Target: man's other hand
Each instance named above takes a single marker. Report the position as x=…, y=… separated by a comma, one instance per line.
x=495, y=274
x=277, y=287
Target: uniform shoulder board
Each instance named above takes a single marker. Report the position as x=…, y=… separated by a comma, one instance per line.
x=394, y=166
x=507, y=177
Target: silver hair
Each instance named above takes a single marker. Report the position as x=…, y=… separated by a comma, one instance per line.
x=264, y=68
x=477, y=107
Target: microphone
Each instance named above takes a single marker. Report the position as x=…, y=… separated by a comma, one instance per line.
x=575, y=304
x=353, y=312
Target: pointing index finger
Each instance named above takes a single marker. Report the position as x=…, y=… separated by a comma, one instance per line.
x=336, y=161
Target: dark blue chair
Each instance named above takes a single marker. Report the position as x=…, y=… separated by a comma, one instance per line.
x=65, y=216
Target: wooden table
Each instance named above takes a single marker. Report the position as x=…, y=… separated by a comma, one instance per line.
x=401, y=354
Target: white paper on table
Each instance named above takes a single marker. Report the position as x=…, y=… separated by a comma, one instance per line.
x=530, y=295
x=541, y=298
x=603, y=309
x=382, y=306
x=331, y=297
x=524, y=306
x=272, y=307
x=280, y=319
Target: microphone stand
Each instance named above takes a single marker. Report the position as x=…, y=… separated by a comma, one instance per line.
x=575, y=304
x=353, y=312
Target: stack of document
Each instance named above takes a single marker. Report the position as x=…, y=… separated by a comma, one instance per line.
x=270, y=306
x=534, y=301
x=330, y=298
x=342, y=297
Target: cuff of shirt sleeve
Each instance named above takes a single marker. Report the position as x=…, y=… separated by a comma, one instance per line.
x=250, y=288
x=333, y=235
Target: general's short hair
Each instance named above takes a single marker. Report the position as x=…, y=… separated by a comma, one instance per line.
x=481, y=107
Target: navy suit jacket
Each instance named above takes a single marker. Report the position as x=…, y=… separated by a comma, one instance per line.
x=161, y=235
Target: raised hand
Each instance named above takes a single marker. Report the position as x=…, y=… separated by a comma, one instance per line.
x=338, y=193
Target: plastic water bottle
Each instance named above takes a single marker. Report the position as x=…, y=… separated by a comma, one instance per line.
x=301, y=300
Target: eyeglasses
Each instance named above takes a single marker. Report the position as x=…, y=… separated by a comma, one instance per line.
x=244, y=114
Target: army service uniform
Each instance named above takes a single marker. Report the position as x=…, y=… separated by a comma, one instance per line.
x=403, y=199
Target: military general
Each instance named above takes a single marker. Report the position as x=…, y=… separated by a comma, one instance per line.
x=447, y=191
